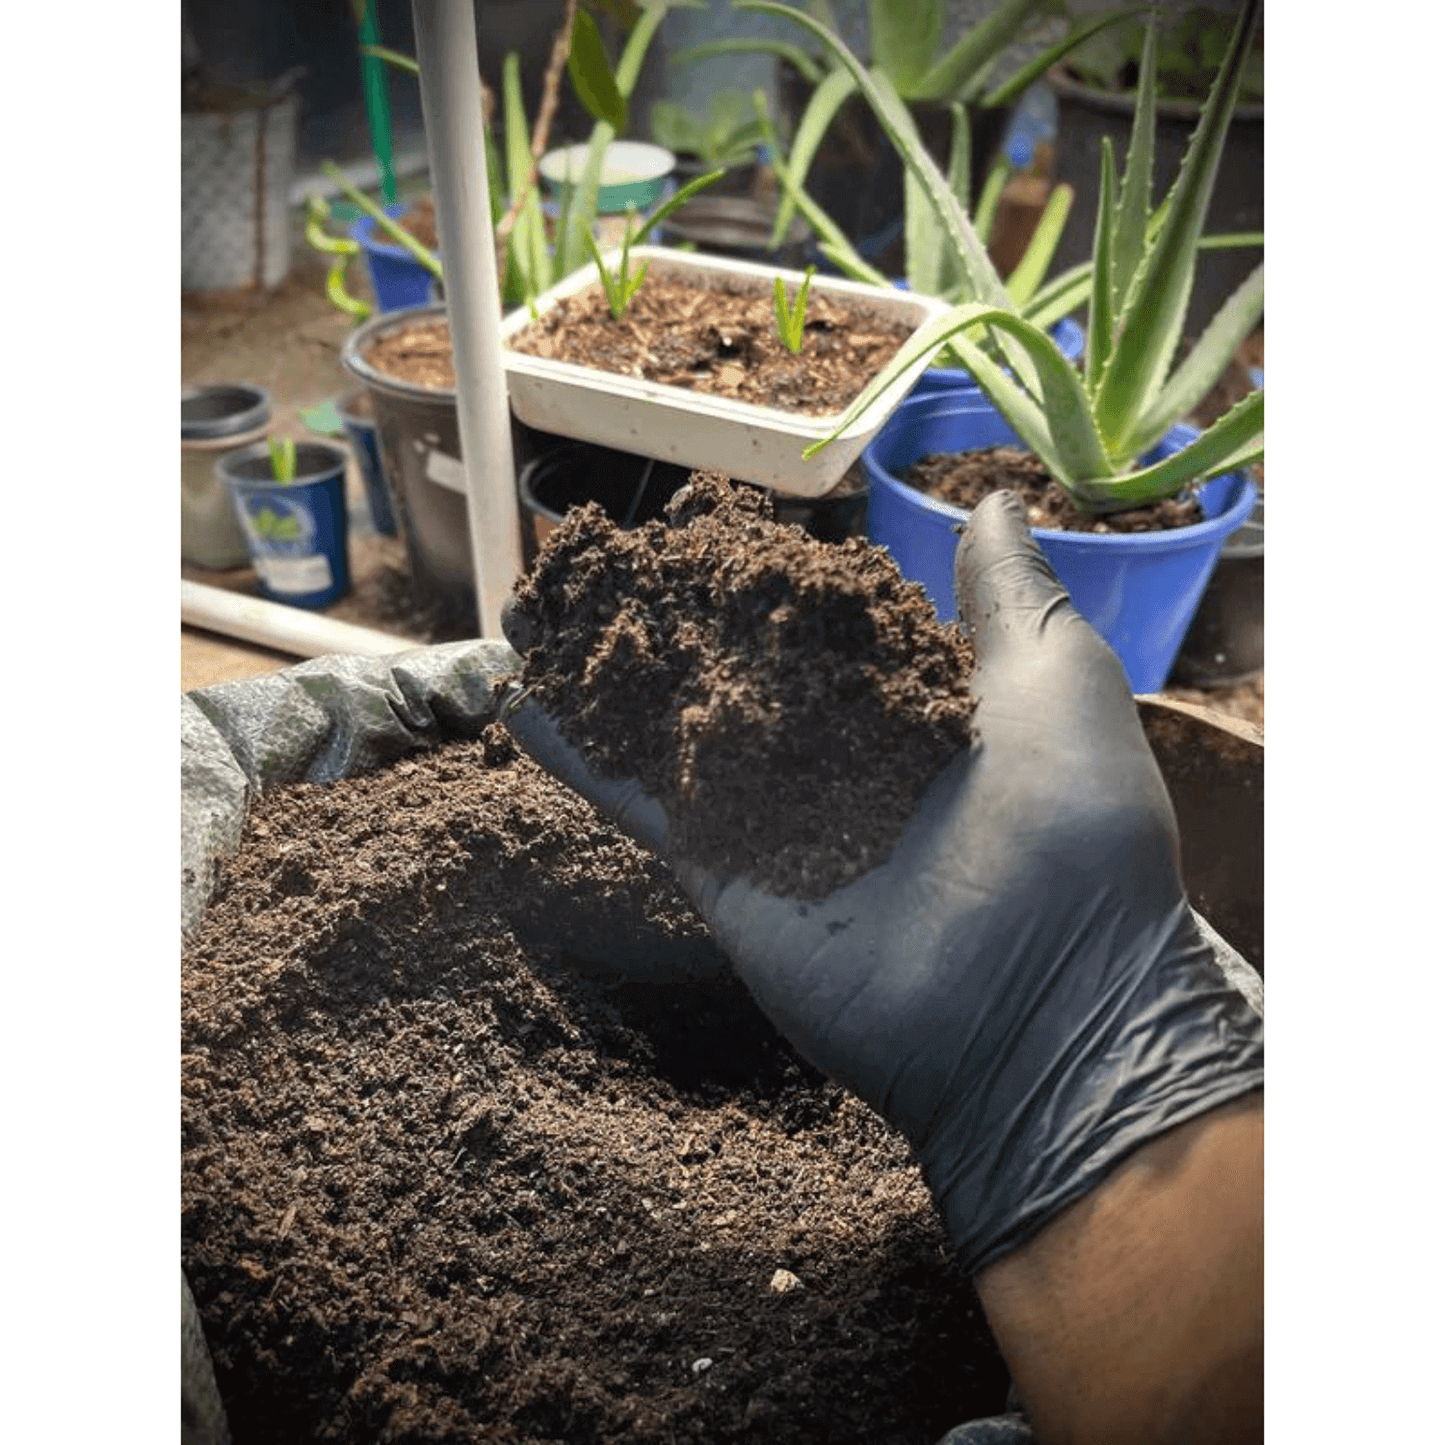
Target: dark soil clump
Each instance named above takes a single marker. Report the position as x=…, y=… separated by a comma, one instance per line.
x=721, y=341
x=966, y=478
x=787, y=700
x=480, y=1141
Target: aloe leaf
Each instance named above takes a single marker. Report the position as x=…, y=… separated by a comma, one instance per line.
x=1154, y=314
x=385, y=223
x=988, y=198
x=582, y=200
x=392, y=57
x=823, y=105
x=961, y=73
x=1008, y=91
x=1028, y=275
x=1131, y=216
x=1235, y=440
x=898, y=126
x=664, y=208
x=833, y=242
x=1059, y=430
x=515, y=140
x=1205, y=364
x=1060, y=296
x=1231, y=240
x=904, y=35
x=799, y=58
x=634, y=52
x=1101, y=299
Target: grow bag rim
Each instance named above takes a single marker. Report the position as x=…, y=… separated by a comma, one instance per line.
x=1122, y=103
x=1241, y=496
x=354, y=360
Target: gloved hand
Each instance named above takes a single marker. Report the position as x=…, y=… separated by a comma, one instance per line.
x=1021, y=989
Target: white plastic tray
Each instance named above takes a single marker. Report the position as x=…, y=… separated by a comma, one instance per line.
x=750, y=443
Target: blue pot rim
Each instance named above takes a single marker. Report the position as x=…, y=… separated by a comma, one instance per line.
x=261, y=451
x=362, y=232
x=1242, y=491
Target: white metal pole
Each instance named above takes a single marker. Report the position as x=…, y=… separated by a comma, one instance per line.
x=451, y=102
x=284, y=629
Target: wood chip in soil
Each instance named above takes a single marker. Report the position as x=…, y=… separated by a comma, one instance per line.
x=966, y=478
x=481, y=1141
x=722, y=340
x=787, y=700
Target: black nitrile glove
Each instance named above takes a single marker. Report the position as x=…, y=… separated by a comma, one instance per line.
x=1021, y=989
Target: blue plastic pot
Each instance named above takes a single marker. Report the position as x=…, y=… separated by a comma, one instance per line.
x=296, y=531
x=361, y=433
x=1139, y=591
x=397, y=277
x=952, y=380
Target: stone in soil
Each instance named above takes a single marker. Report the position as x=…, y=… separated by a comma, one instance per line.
x=787, y=700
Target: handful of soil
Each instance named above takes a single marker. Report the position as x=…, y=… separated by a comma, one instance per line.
x=786, y=700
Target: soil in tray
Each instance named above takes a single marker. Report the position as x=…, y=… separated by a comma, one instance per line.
x=966, y=478
x=722, y=340
x=788, y=700
x=450, y=1172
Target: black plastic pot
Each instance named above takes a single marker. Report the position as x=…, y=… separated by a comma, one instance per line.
x=1225, y=642
x=632, y=490
x=1087, y=116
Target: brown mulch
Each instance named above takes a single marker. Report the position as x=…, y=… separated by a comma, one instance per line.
x=966, y=478
x=481, y=1142
x=722, y=340
x=658, y=648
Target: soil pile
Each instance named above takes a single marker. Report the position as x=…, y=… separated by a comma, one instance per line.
x=787, y=700
x=721, y=340
x=456, y=1166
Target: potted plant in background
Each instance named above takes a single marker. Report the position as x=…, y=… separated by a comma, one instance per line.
x=1110, y=438
x=857, y=176
x=290, y=499
x=1096, y=89
x=725, y=137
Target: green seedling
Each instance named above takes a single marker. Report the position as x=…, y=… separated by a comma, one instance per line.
x=622, y=285
x=790, y=319
x=1090, y=430
x=283, y=459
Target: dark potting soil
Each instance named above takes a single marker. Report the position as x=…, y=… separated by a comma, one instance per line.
x=787, y=700
x=720, y=340
x=420, y=353
x=449, y=1174
x=966, y=478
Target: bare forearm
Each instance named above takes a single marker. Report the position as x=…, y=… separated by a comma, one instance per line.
x=1136, y=1317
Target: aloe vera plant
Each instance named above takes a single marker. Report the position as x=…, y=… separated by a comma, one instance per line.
x=1090, y=430
x=904, y=37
